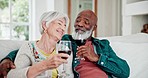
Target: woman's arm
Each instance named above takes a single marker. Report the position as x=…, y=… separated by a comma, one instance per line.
x=22, y=62
x=26, y=67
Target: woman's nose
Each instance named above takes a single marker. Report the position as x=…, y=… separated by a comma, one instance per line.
x=63, y=28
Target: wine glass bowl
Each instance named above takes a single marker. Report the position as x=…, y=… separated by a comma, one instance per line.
x=66, y=52
x=79, y=40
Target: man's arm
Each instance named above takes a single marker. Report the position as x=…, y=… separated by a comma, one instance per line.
x=11, y=55
x=7, y=63
x=111, y=63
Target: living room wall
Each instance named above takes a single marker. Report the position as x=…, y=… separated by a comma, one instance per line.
x=109, y=15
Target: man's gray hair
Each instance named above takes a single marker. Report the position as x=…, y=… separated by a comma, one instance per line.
x=48, y=17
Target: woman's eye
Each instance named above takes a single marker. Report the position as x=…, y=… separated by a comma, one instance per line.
x=62, y=24
x=59, y=23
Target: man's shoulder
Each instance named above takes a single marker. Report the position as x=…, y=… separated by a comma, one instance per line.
x=105, y=41
x=102, y=41
x=67, y=37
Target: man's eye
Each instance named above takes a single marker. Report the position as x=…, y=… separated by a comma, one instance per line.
x=87, y=23
x=77, y=20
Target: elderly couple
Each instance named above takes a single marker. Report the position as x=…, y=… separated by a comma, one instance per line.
x=100, y=60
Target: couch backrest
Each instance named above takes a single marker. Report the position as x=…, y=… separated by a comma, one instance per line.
x=8, y=45
x=135, y=38
x=136, y=55
x=132, y=48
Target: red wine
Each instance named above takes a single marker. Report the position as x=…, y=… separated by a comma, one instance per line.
x=80, y=42
x=66, y=52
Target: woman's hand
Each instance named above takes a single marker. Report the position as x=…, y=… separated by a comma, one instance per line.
x=56, y=60
x=52, y=62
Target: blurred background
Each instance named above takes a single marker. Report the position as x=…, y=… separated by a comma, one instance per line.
x=19, y=19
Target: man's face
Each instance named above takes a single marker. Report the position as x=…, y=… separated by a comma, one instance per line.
x=84, y=24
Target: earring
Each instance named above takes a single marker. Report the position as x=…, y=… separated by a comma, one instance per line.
x=45, y=31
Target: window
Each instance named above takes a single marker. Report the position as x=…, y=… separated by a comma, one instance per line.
x=14, y=19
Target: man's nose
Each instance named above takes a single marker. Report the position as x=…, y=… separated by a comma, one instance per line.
x=81, y=24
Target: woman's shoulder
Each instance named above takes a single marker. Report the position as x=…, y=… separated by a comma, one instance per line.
x=26, y=47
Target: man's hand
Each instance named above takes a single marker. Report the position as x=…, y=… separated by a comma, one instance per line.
x=88, y=53
x=5, y=66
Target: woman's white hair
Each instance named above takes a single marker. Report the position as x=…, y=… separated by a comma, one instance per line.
x=50, y=16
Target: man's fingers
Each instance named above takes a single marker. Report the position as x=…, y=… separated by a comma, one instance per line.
x=81, y=50
x=12, y=65
x=80, y=53
x=5, y=65
x=4, y=72
x=81, y=47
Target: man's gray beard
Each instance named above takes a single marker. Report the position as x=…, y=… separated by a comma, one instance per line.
x=84, y=35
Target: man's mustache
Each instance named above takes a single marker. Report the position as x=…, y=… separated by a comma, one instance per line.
x=80, y=29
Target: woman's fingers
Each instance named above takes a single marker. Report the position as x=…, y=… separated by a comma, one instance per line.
x=56, y=60
x=63, y=55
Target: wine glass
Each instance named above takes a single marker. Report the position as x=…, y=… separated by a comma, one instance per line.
x=79, y=39
x=64, y=47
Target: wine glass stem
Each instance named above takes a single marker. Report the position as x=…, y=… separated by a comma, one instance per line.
x=64, y=70
x=64, y=67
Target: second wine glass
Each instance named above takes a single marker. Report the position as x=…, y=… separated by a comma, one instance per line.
x=79, y=41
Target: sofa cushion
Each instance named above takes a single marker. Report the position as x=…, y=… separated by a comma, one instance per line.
x=8, y=45
x=136, y=55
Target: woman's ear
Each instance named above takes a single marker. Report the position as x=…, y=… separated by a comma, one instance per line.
x=44, y=25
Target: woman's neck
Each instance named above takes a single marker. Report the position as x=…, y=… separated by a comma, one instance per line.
x=47, y=44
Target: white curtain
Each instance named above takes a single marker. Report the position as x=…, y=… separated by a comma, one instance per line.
x=109, y=14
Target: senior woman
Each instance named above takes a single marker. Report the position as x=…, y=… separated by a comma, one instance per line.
x=38, y=58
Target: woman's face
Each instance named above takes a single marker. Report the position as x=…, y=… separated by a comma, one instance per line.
x=57, y=28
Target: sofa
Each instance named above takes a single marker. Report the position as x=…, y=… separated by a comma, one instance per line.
x=132, y=48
